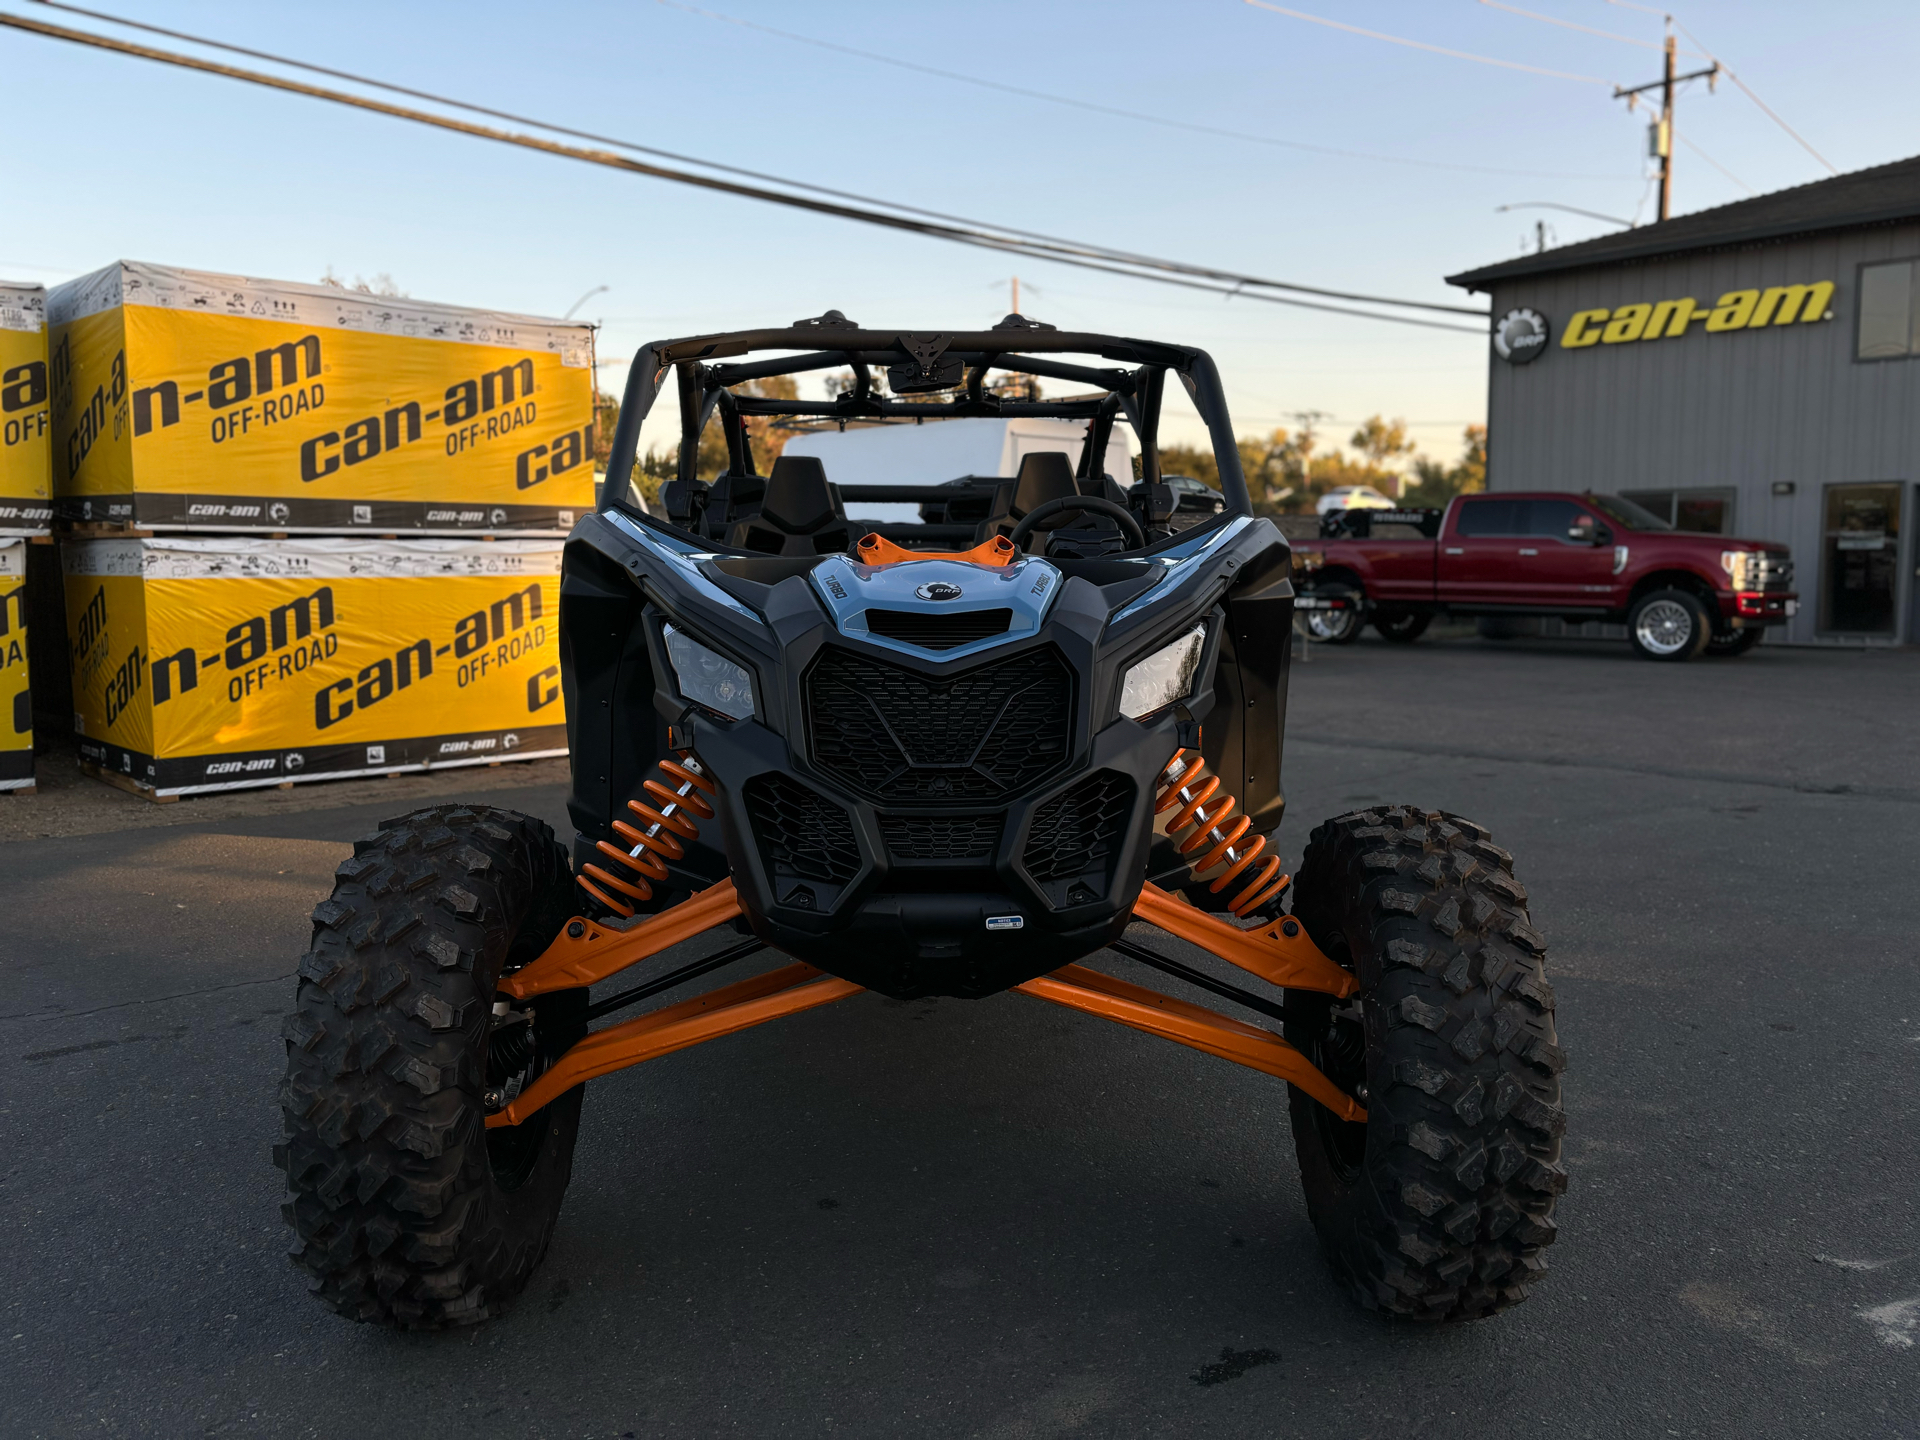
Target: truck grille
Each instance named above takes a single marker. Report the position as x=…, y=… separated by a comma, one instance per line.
x=940, y=838
x=981, y=735
x=801, y=833
x=1076, y=834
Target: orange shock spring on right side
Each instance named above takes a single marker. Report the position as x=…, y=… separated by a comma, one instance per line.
x=1201, y=808
x=676, y=818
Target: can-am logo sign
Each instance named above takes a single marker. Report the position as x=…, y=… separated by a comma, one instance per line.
x=1520, y=335
x=1755, y=309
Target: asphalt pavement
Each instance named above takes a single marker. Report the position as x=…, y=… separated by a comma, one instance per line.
x=952, y=1217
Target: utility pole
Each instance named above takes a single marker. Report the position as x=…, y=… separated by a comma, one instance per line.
x=1017, y=295
x=1661, y=132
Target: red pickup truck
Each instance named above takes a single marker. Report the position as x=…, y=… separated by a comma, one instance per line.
x=1542, y=553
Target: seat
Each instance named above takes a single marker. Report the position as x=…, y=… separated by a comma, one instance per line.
x=1044, y=475
x=800, y=513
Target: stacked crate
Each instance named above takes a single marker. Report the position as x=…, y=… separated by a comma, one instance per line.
x=25, y=510
x=309, y=532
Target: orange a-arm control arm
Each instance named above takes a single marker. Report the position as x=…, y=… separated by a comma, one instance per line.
x=588, y=951
x=674, y=1028
x=1280, y=954
x=1088, y=990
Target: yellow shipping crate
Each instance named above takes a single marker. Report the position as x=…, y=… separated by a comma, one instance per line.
x=204, y=664
x=16, y=702
x=26, y=479
x=189, y=401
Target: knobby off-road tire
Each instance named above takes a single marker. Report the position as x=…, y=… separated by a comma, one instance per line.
x=406, y=1210
x=1439, y=1206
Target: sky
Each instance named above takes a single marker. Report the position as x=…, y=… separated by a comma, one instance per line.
x=1356, y=164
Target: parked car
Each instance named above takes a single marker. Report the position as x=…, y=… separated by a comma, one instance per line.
x=1352, y=497
x=1543, y=553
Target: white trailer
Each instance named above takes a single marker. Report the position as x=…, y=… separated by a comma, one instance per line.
x=946, y=450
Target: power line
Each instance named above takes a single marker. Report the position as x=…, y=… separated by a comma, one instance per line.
x=1423, y=45
x=1099, y=109
x=1758, y=101
x=1715, y=163
x=1570, y=25
x=955, y=228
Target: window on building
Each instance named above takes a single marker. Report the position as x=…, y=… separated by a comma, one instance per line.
x=1705, y=512
x=1493, y=517
x=1860, y=548
x=1888, y=325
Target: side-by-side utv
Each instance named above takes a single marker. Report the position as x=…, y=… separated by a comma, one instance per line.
x=947, y=758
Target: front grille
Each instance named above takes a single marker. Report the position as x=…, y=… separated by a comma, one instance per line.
x=939, y=629
x=801, y=834
x=1077, y=832
x=981, y=735
x=940, y=838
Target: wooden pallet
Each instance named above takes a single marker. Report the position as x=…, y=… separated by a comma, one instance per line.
x=124, y=783
x=102, y=530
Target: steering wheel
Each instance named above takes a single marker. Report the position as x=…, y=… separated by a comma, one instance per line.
x=1130, y=528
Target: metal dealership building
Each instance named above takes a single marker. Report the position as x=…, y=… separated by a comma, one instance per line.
x=1749, y=370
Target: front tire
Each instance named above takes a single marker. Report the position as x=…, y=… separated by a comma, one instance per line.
x=1439, y=1206
x=406, y=1210
x=1669, y=625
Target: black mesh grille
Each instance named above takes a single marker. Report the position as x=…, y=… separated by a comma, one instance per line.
x=981, y=735
x=1079, y=830
x=940, y=838
x=939, y=629
x=801, y=833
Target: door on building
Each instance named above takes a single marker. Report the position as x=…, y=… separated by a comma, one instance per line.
x=1706, y=512
x=1560, y=562
x=1476, y=564
x=1860, y=559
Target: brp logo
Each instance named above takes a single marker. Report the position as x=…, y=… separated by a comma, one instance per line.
x=278, y=512
x=938, y=590
x=1520, y=335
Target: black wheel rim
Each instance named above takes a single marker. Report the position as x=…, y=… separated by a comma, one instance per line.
x=1337, y=1045
x=517, y=1052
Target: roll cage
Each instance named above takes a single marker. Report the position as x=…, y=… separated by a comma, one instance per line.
x=920, y=363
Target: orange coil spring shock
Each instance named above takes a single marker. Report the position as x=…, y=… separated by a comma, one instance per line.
x=666, y=827
x=1202, y=809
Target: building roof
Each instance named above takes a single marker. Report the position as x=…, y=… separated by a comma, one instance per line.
x=1862, y=197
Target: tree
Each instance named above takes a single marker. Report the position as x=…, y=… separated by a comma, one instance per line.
x=1382, y=441
x=1437, y=484
x=658, y=466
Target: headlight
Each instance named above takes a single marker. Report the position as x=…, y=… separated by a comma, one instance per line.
x=708, y=679
x=1743, y=568
x=1164, y=677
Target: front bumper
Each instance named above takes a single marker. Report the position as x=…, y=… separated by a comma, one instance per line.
x=1759, y=607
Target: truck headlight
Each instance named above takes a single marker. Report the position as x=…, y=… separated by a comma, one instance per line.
x=1743, y=568
x=1164, y=677
x=707, y=678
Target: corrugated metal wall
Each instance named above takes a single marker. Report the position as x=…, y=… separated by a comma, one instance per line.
x=1740, y=409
